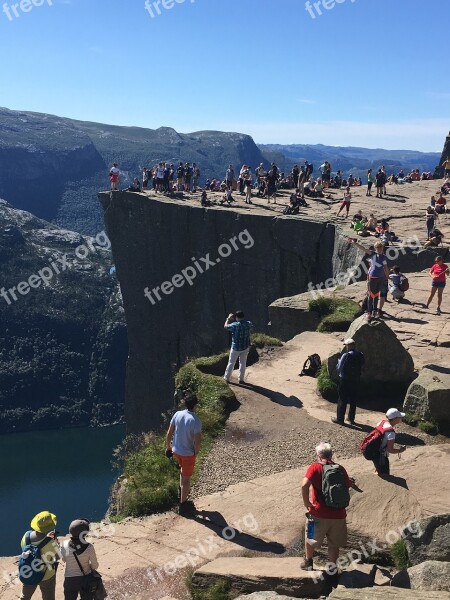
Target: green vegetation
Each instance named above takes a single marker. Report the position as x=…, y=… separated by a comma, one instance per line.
x=337, y=314
x=399, y=555
x=326, y=386
x=220, y=590
x=430, y=427
x=261, y=340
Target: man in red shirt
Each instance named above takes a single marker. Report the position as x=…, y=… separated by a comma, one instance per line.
x=329, y=522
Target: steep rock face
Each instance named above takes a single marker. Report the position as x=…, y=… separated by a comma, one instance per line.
x=444, y=156
x=153, y=240
x=62, y=334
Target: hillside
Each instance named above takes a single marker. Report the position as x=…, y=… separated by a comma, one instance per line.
x=62, y=335
x=54, y=167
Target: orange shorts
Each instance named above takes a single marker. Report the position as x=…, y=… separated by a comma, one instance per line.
x=187, y=464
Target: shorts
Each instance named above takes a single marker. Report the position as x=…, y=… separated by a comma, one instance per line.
x=114, y=178
x=438, y=284
x=187, y=464
x=346, y=203
x=335, y=530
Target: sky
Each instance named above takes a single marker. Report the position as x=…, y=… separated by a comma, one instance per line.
x=372, y=73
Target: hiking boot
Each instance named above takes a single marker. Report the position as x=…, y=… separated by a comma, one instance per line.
x=337, y=421
x=438, y=311
x=307, y=564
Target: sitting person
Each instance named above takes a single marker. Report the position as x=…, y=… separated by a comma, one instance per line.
x=372, y=223
x=296, y=199
x=382, y=228
x=227, y=197
x=436, y=238
x=318, y=189
x=401, y=174
x=393, y=179
x=207, y=184
x=357, y=218
x=351, y=180
x=441, y=205
x=204, y=199
x=395, y=284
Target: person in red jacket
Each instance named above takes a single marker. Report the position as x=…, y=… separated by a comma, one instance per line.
x=439, y=272
x=328, y=522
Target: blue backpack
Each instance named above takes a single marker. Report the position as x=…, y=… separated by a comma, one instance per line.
x=31, y=572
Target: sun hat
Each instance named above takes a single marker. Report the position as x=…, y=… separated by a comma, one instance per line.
x=79, y=526
x=44, y=522
x=349, y=342
x=394, y=413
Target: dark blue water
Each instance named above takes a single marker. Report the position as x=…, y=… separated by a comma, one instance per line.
x=67, y=472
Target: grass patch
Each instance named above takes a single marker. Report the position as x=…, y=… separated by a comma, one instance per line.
x=337, y=314
x=399, y=555
x=430, y=427
x=326, y=386
x=261, y=340
x=220, y=590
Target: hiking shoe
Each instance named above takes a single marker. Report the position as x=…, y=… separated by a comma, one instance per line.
x=337, y=421
x=438, y=311
x=241, y=381
x=351, y=422
x=187, y=509
x=307, y=564
x=368, y=317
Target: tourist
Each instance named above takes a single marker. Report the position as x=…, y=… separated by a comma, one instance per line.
x=384, y=289
x=349, y=367
x=188, y=171
x=204, y=199
x=370, y=181
x=272, y=178
x=229, y=177
x=446, y=165
x=295, y=173
x=430, y=217
x=145, y=179
x=114, y=177
x=383, y=172
x=436, y=237
x=240, y=330
x=329, y=522
x=42, y=534
x=195, y=177
x=386, y=426
x=441, y=205
x=345, y=202
x=248, y=183
x=180, y=177
x=396, y=278
x=160, y=177
x=302, y=179
x=380, y=182
x=378, y=268
x=184, y=440
x=80, y=560
x=372, y=223
x=259, y=172
x=438, y=272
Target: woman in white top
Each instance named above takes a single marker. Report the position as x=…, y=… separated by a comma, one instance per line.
x=393, y=417
x=78, y=577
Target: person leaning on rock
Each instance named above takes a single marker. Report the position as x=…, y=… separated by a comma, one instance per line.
x=43, y=534
x=184, y=440
x=349, y=368
x=326, y=509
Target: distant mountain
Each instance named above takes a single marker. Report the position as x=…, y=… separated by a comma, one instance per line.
x=63, y=342
x=349, y=159
x=54, y=166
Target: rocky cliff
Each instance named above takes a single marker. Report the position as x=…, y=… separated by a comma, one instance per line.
x=444, y=156
x=62, y=332
x=248, y=260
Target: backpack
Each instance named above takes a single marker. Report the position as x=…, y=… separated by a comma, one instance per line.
x=334, y=486
x=404, y=284
x=353, y=366
x=371, y=444
x=311, y=366
x=29, y=572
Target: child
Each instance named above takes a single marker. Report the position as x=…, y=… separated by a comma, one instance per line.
x=395, y=284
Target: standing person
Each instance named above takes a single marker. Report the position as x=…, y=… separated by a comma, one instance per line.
x=345, y=202
x=229, y=177
x=295, y=173
x=386, y=427
x=195, y=177
x=240, y=330
x=384, y=179
x=259, y=172
x=183, y=439
x=114, y=177
x=145, y=178
x=378, y=272
x=180, y=177
x=272, y=178
x=302, y=179
x=328, y=512
x=446, y=165
x=43, y=535
x=379, y=177
x=439, y=272
x=370, y=181
x=80, y=559
x=248, y=182
x=187, y=177
x=349, y=368
x=430, y=217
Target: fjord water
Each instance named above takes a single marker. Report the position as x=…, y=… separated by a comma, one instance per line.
x=67, y=472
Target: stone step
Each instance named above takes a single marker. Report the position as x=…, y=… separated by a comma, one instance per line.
x=247, y=575
x=386, y=593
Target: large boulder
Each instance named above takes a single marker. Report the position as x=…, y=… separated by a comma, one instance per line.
x=430, y=540
x=387, y=361
x=431, y=575
x=384, y=593
x=428, y=396
x=291, y=316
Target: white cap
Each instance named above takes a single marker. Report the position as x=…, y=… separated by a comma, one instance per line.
x=394, y=413
x=349, y=341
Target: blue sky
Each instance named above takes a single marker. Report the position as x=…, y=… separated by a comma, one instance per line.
x=371, y=73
